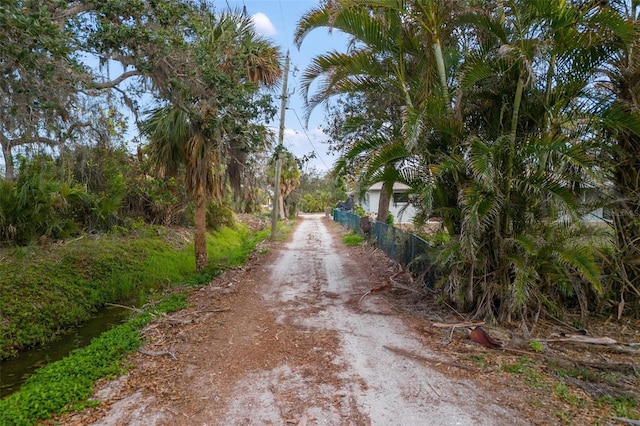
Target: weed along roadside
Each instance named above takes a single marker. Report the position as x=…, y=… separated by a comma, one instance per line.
x=66, y=284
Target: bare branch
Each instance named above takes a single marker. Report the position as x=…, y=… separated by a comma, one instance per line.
x=128, y=102
x=113, y=83
x=75, y=124
x=35, y=139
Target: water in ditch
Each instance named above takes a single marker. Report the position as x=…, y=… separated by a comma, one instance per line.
x=14, y=372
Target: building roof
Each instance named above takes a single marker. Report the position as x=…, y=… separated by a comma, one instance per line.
x=396, y=187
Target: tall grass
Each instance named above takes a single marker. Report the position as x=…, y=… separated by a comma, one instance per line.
x=44, y=291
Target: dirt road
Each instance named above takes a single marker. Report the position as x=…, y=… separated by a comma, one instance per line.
x=294, y=338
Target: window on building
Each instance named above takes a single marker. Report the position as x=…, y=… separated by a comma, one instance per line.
x=400, y=197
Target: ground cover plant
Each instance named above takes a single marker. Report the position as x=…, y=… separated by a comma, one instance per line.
x=44, y=291
x=352, y=239
x=66, y=384
x=165, y=259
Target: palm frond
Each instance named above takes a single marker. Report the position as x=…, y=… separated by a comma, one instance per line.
x=167, y=130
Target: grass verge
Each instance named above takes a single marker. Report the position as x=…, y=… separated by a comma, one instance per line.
x=44, y=291
x=67, y=384
x=352, y=239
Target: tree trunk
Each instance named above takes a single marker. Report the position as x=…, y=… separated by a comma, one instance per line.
x=383, y=203
x=283, y=214
x=200, y=237
x=8, y=162
x=625, y=219
x=442, y=74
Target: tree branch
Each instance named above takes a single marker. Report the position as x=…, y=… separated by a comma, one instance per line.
x=75, y=124
x=37, y=139
x=113, y=83
x=128, y=102
x=62, y=15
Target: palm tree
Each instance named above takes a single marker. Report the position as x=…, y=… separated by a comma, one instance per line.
x=289, y=177
x=380, y=69
x=366, y=128
x=524, y=146
x=176, y=142
x=230, y=61
x=376, y=159
x=498, y=122
x=622, y=124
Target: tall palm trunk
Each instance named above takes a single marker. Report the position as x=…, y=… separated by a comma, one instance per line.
x=383, y=203
x=283, y=214
x=626, y=171
x=8, y=161
x=442, y=74
x=626, y=224
x=512, y=145
x=505, y=229
x=200, y=237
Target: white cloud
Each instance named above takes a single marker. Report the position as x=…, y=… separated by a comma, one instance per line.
x=263, y=25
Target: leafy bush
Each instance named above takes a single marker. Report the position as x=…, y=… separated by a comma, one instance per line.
x=89, y=188
x=38, y=204
x=389, y=220
x=219, y=215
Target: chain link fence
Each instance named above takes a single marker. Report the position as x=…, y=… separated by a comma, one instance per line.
x=406, y=248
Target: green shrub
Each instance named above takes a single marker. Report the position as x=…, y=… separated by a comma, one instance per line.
x=218, y=216
x=389, y=220
x=38, y=205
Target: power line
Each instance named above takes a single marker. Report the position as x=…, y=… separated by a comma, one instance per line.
x=284, y=21
x=308, y=138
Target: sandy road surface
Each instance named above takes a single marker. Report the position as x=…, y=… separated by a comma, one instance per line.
x=314, y=286
x=299, y=344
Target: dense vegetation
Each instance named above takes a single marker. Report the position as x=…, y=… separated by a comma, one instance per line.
x=511, y=121
x=88, y=205
x=197, y=84
x=316, y=192
x=150, y=265
x=44, y=290
x=502, y=116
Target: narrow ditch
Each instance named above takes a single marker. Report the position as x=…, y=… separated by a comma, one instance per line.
x=15, y=371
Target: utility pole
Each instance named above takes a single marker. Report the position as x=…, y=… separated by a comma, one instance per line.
x=276, y=187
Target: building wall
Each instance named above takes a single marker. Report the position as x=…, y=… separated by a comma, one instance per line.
x=370, y=205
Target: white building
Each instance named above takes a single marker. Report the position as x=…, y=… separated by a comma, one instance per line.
x=399, y=206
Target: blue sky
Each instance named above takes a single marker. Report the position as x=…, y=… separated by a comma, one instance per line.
x=277, y=21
